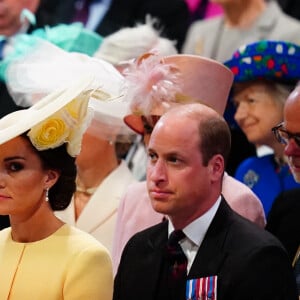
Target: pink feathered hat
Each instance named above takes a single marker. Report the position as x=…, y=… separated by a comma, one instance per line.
x=156, y=83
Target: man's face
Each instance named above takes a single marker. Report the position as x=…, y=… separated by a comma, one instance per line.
x=176, y=178
x=10, y=11
x=292, y=125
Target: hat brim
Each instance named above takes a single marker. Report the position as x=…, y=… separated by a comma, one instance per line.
x=20, y=121
x=135, y=123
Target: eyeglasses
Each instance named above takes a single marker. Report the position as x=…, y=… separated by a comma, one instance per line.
x=283, y=136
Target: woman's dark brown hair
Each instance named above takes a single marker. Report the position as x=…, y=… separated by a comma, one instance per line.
x=58, y=159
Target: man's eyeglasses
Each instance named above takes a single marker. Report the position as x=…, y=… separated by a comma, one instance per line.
x=283, y=136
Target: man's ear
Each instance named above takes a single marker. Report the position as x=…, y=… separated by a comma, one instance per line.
x=51, y=178
x=217, y=166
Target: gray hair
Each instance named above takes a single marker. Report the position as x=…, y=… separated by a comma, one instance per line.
x=281, y=91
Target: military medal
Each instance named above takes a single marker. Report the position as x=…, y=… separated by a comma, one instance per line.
x=204, y=288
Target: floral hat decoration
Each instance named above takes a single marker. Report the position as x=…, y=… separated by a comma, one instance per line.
x=27, y=84
x=272, y=60
x=60, y=117
x=155, y=83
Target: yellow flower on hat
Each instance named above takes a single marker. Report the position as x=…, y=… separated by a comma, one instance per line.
x=65, y=126
x=78, y=116
x=77, y=108
x=50, y=133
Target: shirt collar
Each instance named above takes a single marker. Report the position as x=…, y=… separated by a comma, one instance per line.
x=196, y=230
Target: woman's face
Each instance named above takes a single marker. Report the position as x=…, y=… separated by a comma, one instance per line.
x=93, y=148
x=10, y=11
x=257, y=111
x=23, y=181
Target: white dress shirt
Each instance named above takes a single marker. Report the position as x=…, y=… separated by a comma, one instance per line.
x=195, y=233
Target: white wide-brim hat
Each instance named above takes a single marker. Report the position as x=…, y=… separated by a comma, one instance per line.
x=18, y=122
x=27, y=84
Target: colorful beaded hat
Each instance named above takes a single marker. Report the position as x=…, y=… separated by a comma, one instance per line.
x=272, y=60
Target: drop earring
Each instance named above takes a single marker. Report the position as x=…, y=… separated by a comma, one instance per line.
x=47, y=195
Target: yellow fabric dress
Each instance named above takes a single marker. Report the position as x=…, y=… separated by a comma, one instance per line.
x=69, y=264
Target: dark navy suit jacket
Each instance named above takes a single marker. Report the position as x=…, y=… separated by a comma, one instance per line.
x=249, y=262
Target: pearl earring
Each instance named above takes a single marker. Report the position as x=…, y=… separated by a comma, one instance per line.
x=47, y=195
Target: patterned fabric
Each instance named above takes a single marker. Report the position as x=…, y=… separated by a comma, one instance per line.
x=176, y=257
x=272, y=60
x=265, y=178
x=204, y=288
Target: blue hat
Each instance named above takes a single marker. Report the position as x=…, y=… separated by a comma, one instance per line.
x=272, y=60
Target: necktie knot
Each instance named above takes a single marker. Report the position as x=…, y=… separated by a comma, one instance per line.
x=175, y=237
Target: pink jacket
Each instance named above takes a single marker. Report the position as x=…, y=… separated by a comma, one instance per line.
x=135, y=212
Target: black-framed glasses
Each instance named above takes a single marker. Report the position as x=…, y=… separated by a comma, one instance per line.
x=283, y=136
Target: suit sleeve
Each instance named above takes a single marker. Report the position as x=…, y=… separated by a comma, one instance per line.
x=261, y=278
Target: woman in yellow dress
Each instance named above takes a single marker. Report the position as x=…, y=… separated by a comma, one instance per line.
x=40, y=256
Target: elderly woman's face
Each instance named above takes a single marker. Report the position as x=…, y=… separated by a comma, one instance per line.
x=23, y=181
x=257, y=111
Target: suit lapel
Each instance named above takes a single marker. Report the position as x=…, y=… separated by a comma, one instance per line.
x=156, y=246
x=211, y=249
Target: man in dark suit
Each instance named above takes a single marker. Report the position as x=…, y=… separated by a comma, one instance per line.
x=227, y=256
x=288, y=134
x=173, y=16
x=284, y=220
